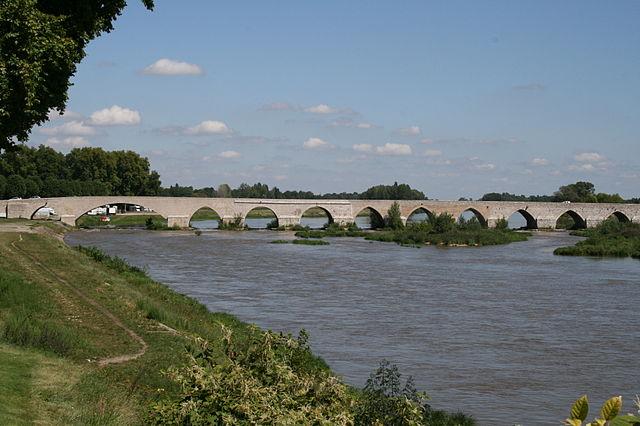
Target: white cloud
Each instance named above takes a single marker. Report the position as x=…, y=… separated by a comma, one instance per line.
x=394, y=149
x=229, y=154
x=72, y=128
x=433, y=153
x=315, y=143
x=364, y=125
x=539, y=162
x=280, y=177
x=278, y=106
x=208, y=127
x=166, y=66
x=363, y=147
x=589, y=157
x=115, y=116
x=587, y=167
x=67, y=143
x=410, y=131
x=427, y=141
x=485, y=167
x=321, y=109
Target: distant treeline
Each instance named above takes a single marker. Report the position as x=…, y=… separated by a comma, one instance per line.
x=259, y=190
x=45, y=172
x=579, y=192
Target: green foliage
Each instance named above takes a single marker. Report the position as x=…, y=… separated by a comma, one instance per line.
x=198, y=232
x=113, y=262
x=83, y=171
x=235, y=225
x=609, y=414
x=332, y=230
x=611, y=238
x=273, y=224
x=502, y=224
x=442, y=223
x=392, y=192
x=579, y=192
x=443, y=230
x=40, y=44
x=269, y=379
x=386, y=401
x=394, y=219
x=305, y=242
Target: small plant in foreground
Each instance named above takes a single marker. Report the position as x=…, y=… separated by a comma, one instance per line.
x=609, y=414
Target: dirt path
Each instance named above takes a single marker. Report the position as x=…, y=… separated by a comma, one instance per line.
x=114, y=319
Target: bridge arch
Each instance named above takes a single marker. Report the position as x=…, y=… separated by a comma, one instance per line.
x=531, y=222
x=314, y=212
x=205, y=217
x=480, y=218
x=375, y=218
x=419, y=214
x=621, y=217
x=579, y=222
x=122, y=208
x=261, y=217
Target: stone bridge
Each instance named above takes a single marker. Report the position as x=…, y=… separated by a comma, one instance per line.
x=178, y=210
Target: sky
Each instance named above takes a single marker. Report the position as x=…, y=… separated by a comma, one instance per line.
x=455, y=98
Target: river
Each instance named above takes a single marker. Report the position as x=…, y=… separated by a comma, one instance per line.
x=510, y=334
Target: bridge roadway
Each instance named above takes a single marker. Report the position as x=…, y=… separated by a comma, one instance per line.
x=178, y=210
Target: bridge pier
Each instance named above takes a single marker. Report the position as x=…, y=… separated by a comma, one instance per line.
x=178, y=221
x=68, y=219
x=288, y=221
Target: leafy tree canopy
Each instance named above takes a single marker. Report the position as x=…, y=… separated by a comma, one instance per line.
x=41, y=42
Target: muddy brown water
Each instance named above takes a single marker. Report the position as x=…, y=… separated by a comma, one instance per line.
x=510, y=334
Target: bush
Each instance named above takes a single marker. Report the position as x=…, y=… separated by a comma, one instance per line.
x=394, y=218
x=609, y=239
x=269, y=379
x=502, y=224
x=311, y=242
x=114, y=262
x=235, y=225
x=273, y=224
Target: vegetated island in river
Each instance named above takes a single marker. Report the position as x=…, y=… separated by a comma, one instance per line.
x=611, y=238
x=440, y=230
x=86, y=338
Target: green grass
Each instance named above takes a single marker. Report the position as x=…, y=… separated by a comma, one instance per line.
x=609, y=239
x=119, y=221
x=303, y=242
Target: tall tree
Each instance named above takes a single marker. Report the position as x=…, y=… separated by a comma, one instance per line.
x=41, y=42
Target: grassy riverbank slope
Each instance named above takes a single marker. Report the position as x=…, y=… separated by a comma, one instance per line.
x=85, y=339
x=609, y=239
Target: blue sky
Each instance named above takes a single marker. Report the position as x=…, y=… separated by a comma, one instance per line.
x=456, y=98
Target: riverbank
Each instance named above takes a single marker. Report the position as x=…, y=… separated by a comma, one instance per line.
x=85, y=338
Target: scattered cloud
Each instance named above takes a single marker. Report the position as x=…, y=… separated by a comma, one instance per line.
x=363, y=147
x=433, y=153
x=485, y=167
x=229, y=154
x=530, y=87
x=539, y=161
x=67, y=143
x=589, y=157
x=208, y=127
x=166, y=66
x=115, y=116
x=347, y=122
x=278, y=106
x=315, y=143
x=394, y=149
x=586, y=167
x=321, y=109
x=71, y=128
x=500, y=141
x=410, y=131
x=280, y=177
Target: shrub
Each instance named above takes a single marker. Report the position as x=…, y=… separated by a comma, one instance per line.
x=610, y=413
x=311, y=242
x=235, y=225
x=270, y=379
x=273, y=224
x=502, y=224
x=114, y=262
x=394, y=218
x=442, y=223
